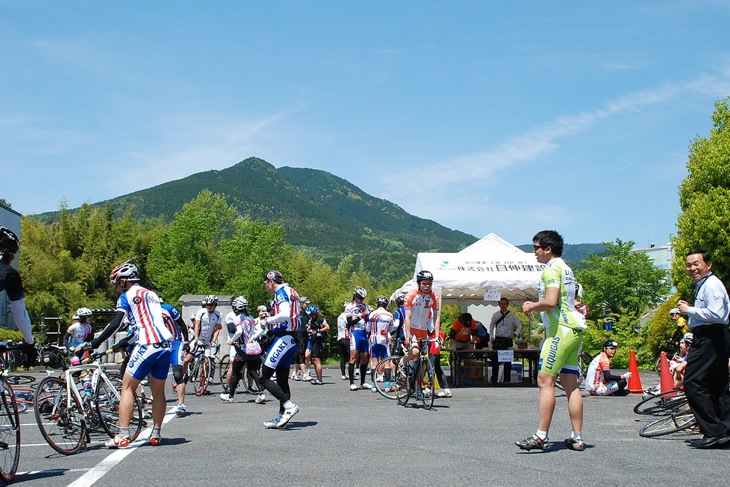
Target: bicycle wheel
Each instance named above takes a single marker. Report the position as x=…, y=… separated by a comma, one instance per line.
x=668, y=424
x=17, y=379
x=62, y=426
x=426, y=382
x=403, y=381
x=9, y=433
x=665, y=403
x=204, y=373
x=106, y=397
x=223, y=366
x=389, y=368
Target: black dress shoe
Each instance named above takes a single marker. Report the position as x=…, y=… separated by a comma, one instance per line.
x=709, y=441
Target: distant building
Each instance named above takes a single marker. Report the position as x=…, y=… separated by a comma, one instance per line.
x=9, y=218
x=662, y=257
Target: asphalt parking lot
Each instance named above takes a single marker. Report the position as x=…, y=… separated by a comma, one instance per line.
x=360, y=438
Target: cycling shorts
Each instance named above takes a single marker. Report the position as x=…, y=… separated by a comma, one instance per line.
x=359, y=341
x=605, y=389
x=379, y=351
x=559, y=353
x=177, y=353
x=280, y=352
x=150, y=359
x=315, y=347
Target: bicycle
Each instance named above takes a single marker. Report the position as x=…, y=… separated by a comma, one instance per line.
x=418, y=378
x=666, y=403
x=388, y=389
x=199, y=369
x=672, y=423
x=9, y=424
x=67, y=414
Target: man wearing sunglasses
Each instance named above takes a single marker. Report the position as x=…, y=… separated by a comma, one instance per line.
x=599, y=379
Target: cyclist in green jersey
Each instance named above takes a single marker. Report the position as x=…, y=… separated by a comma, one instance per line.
x=563, y=337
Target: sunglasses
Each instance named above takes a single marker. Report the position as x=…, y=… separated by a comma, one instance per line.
x=611, y=348
x=536, y=246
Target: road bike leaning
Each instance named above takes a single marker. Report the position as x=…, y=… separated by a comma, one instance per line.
x=9, y=423
x=84, y=399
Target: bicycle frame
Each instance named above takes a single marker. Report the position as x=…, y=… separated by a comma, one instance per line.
x=97, y=373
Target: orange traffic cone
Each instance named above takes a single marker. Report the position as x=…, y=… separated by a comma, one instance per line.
x=634, y=381
x=666, y=382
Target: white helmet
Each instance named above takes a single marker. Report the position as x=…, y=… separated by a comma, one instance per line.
x=360, y=292
x=83, y=312
x=240, y=304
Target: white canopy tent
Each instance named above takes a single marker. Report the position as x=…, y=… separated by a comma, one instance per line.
x=481, y=273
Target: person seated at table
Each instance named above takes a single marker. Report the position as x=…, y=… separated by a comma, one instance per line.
x=463, y=332
x=599, y=379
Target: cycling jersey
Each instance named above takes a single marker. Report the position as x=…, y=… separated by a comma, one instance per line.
x=142, y=308
x=557, y=274
x=354, y=312
x=594, y=376
x=380, y=325
x=246, y=328
x=208, y=324
x=11, y=283
x=78, y=332
x=399, y=317
x=423, y=309
x=285, y=315
x=170, y=315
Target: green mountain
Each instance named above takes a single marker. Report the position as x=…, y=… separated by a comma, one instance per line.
x=326, y=215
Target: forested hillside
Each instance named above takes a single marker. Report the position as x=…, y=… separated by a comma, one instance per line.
x=326, y=216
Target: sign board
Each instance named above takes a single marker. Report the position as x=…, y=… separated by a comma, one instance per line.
x=505, y=355
x=492, y=295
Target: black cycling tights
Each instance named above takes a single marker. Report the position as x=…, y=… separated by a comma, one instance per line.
x=279, y=389
x=253, y=371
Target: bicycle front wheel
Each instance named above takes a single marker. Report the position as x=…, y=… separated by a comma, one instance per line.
x=388, y=367
x=204, y=373
x=223, y=366
x=426, y=382
x=665, y=403
x=403, y=381
x=62, y=426
x=668, y=424
x=9, y=433
x=107, y=397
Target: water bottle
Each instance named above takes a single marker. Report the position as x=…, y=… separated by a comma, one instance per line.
x=87, y=386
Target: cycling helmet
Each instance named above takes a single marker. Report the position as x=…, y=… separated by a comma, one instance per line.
x=400, y=299
x=304, y=300
x=688, y=337
x=75, y=317
x=610, y=343
x=424, y=276
x=126, y=270
x=674, y=311
x=274, y=276
x=261, y=309
x=9, y=242
x=83, y=312
x=382, y=301
x=312, y=309
x=360, y=292
x=239, y=304
x=210, y=299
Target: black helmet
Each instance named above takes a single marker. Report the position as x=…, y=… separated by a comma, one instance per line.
x=381, y=301
x=424, y=276
x=275, y=276
x=610, y=343
x=9, y=242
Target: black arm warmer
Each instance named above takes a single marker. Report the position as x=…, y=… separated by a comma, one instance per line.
x=608, y=376
x=183, y=329
x=110, y=329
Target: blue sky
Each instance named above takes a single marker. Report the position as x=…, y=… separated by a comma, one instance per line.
x=505, y=117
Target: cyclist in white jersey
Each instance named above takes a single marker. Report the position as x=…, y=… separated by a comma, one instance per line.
x=379, y=327
x=78, y=333
x=357, y=314
x=343, y=341
x=151, y=353
x=282, y=323
x=206, y=329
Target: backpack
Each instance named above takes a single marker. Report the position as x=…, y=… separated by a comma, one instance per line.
x=482, y=333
